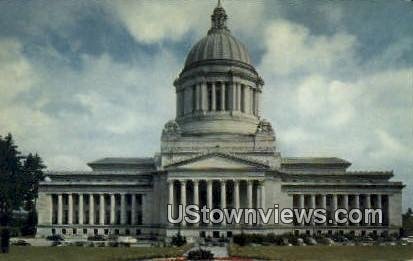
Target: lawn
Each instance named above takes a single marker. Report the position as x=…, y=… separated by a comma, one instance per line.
x=324, y=252
x=89, y=254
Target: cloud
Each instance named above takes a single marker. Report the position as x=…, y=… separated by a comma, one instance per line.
x=291, y=48
x=151, y=22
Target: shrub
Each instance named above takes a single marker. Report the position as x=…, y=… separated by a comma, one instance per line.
x=241, y=239
x=200, y=254
x=178, y=240
x=96, y=238
x=55, y=238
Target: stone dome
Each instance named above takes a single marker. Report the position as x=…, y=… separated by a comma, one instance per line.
x=219, y=44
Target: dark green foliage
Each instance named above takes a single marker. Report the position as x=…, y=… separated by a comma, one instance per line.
x=268, y=239
x=178, y=240
x=19, y=179
x=96, y=238
x=200, y=254
x=408, y=223
x=55, y=238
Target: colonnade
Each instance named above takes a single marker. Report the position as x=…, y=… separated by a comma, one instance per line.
x=219, y=193
x=97, y=208
x=218, y=96
x=332, y=202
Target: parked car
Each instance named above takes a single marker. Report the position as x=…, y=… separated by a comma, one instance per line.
x=127, y=240
x=406, y=240
x=21, y=242
x=310, y=241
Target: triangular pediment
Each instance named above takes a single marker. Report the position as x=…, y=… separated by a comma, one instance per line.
x=217, y=161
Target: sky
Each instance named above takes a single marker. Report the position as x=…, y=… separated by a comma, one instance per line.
x=82, y=80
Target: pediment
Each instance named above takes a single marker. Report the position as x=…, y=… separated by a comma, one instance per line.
x=217, y=161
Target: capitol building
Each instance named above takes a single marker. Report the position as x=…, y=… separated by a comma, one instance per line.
x=218, y=152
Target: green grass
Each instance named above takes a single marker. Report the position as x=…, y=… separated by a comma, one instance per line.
x=324, y=252
x=89, y=254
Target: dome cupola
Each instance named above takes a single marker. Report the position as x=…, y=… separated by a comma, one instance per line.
x=218, y=89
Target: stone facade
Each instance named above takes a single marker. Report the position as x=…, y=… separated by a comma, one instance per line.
x=218, y=152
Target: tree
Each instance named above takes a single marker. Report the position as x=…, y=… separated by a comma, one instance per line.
x=19, y=178
x=32, y=172
x=408, y=223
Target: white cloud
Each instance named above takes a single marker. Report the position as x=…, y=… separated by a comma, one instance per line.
x=291, y=48
x=150, y=21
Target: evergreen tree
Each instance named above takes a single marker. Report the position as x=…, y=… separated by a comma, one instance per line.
x=19, y=179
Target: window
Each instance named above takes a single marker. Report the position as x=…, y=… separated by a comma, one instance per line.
x=227, y=95
x=215, y=234
x=138, y=232
x=127, y=232
x=209, y=90
x=84, y=231
x=53, y=231
x=106, y=231
x=229, y=233
x=64, y=231
x=74, y=231
x=194, y=101
x=202, y=234
x=116, y=231
x=218, y=92
x=95, y=231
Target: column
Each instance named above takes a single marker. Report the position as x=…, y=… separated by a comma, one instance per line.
x=133, y=209
x=171, y=196
x=257, y=95
x=91, y=210
x=324, y=204
x=80, y=209
x=101, y=209
x=112, y=209
x=223, y=194
x=204, y=97
x=262, y=189
x=313, y=206
x=238, y=97
x=59, y=209
x=123, y=208
x=249, y=197
x=209, y=196
x=197, y=97
x=378, y=206
x=334, y=207
x=301, y=205
x=357, y=204
x=368, y=205
x=196, y=195
x=345, y=205
x=223, y=96
x=196, y=192
x=249, y=193
x=213, y=97
x=233, y=96
x=183, y=199
x=236, y=194
x=70, y=209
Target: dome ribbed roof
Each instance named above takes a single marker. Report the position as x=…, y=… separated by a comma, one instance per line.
x=219, y=43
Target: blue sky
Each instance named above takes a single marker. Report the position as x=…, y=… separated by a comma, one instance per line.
x=80, y=80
